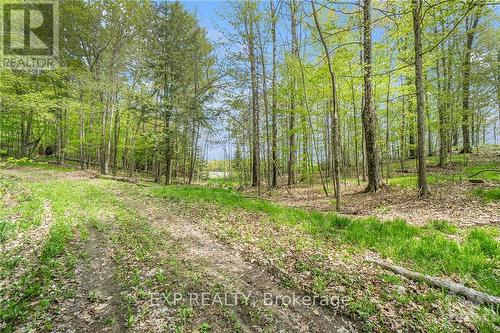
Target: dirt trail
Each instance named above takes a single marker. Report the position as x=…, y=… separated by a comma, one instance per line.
x=224, y=265
x=96, y=304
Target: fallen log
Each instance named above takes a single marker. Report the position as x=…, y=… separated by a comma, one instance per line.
x=117, y=178
x=454, y=288
x=122, y=179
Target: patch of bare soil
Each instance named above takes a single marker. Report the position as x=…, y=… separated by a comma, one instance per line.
x=225, y=265
x=96, y=304
x=448, y=201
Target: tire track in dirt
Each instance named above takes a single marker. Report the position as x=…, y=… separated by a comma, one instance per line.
x=96, y=306
x=224, y=265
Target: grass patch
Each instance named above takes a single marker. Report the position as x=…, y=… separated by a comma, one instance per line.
x=487, y=175
x=411, y=180
x=488, y=195
x=443, y=226
x=63, y=209
x=462, y=172
x=425, y=249
x=27, y=162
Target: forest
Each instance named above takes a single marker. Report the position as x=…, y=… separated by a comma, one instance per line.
x=196, y=166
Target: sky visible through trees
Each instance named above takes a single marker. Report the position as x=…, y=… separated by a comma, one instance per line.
x=317, y=91
x=210, y=19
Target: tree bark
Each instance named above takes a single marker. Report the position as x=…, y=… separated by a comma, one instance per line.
x=274, y=128
x=334, y=118
x=291, y=128
x=466, y=85
x=443, y=133
x=368, y=110
x=255, y=102
x=417, y=29
x=266, y=107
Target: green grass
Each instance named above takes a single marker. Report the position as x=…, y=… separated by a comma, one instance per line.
x=463, y=168
x=411, y=180
x=33, y=292
x=443, y=226
x=488, y=195
x=427, y=249
x=27, y=162
x=223, y=183
x=487, y=175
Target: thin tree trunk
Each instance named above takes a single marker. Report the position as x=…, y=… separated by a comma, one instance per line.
x=255, y=106
x=274, y=128
x=82, y=136
x=466, y=85
x=291, y=128
x=266, y=107
x=116, y=130
x=335, y=125
x=443, y=135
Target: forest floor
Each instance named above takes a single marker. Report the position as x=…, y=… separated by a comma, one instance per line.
x=455, y=197
x=86, y=254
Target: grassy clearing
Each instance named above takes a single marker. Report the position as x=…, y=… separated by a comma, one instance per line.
x=475, y=258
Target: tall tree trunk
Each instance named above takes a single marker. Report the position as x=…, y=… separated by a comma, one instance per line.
x=266, y=107
x=82, y=137
x=429, y=132
x=334, y=119
x=249, y=29
x=466, y=83
x=368, y=110
x=102, y=156
x=274, y=128
x=291, y=128
x=194, y=127
x=168, y=148
x=59, y=136
x=355, y=117
x=309, y=120
x=387, y=130
x=116, y=130
x=443, y=133
x=419, y=85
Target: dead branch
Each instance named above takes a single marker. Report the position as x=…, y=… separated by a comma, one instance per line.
x=454, y=288
x=486, y=170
